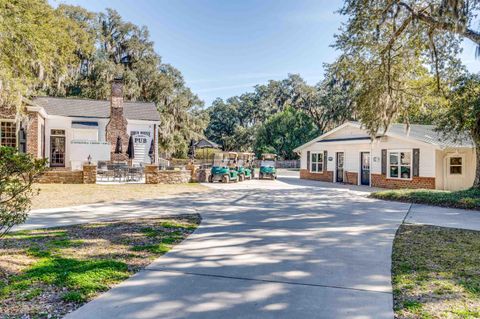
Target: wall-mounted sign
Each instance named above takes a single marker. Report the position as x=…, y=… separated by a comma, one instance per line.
x=376, y=159
x=330, y=158
x=133, y=133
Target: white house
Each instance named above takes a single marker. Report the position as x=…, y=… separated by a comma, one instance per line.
x=417, y=157
x=69, y=131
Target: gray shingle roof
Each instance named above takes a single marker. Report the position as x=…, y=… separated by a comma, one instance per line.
x=204, y=143
x=96, y=108
x=427, y=134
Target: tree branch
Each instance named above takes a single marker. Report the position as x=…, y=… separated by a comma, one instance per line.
x=442, y=25
x=397, y=34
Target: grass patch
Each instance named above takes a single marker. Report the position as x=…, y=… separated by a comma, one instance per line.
x=466, y=199
x=156, y=248
x=436, y=272
x=48, y=273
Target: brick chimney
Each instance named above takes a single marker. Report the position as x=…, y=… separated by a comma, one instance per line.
x=117, y=126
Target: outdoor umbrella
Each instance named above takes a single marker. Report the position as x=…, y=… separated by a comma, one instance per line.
x=151, y=151
x=131, y=149
x=118, y=146
x=191, y=150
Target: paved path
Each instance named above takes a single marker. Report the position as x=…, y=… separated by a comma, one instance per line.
x=444, y=217
x=265, y=249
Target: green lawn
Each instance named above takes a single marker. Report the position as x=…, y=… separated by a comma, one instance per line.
x=48, y=272
x=436, y=272
x=467, y=199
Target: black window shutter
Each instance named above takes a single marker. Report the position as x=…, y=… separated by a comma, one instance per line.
x=308, y=161
x=22, y=140
x=325, y=160
x=384, y=162
x=416, y=162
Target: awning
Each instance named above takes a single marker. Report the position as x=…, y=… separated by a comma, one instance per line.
x=85, y=125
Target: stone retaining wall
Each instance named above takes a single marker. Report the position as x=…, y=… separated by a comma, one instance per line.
x=155, y=176
x=89, y=174
x=65, y=176
x=60, y=177
x=203, y=174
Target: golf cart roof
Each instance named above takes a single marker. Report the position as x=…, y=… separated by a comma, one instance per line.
x=246, y=155
x=230, y=153
x=269, y=156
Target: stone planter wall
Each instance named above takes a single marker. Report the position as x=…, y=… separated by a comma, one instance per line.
x=203, y=174
x=89, y=174
x=65, y=176
x=155, y=176
x=60, y=177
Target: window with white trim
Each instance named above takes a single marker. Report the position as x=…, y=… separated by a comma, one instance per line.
x=8, y=133
x=455, y=165
x=316, y=163
x=400, y=164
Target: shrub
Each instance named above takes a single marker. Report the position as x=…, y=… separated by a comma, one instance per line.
x=17, y=173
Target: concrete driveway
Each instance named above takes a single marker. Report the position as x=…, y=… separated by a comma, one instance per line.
x=265, y=249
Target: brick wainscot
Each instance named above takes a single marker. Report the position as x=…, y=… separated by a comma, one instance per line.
x=351, y=178
x=379, y=180
x=325, y=176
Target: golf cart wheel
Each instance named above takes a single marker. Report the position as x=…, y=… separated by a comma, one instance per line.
x=225, y=179
x=210, y=179
x=241, y=177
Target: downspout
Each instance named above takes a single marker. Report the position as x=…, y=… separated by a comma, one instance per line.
x=155, y=144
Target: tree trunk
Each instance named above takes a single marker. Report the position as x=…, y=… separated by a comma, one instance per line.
x=476, y=141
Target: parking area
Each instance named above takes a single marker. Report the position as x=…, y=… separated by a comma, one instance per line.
x=266, y=249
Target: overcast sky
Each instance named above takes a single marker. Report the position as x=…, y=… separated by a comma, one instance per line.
x=224, y=47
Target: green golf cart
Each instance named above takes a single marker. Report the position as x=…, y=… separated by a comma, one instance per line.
x=268, y=167
x=245, y=166
x=223, y=168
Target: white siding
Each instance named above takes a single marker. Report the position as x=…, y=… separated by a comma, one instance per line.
x=65, y=123
x=427, y=154
x=353, y=148
x=348, y=132
x=146, y=129
x=453, y=182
